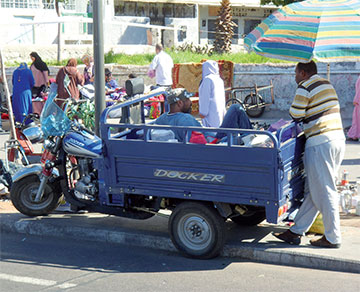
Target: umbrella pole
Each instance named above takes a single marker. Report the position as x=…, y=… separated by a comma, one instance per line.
x=328, y=71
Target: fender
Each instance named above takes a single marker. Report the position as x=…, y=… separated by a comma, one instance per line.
x=30, y=170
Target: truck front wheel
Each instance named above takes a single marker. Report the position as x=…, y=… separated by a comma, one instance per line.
x=23, y=193
x=197, y=230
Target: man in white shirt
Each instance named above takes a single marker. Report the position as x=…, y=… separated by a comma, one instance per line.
x=162, y=64
x=211, y=95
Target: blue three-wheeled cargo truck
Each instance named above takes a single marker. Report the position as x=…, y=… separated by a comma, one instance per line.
x=130, y=172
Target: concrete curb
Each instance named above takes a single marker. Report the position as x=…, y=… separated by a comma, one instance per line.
x=247, y=251
x=81, y=233
x=290, y=258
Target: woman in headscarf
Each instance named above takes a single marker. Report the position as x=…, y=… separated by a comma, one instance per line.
x=88, y=70
x=75, y=77
x=40, y=72
x=22, y=81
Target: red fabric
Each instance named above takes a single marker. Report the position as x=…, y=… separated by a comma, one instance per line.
x=4, y=116
x=11, y=154
x=197, y=138
x=157, y=98
x=24, y=142
x=215, y=141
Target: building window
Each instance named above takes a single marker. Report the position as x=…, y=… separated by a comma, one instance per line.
x=69, y=5
x=212, y=29
x=250, y=24
x=48, y=4
x=32, y=4
x=154, y=9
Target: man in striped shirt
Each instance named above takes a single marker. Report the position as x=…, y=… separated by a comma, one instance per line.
x=316, y=105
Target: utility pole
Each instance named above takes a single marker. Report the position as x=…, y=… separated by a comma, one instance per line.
x=98, y=39
x=58, y=7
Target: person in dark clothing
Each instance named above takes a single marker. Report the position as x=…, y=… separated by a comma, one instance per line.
x=75, y=77
x=40, y=72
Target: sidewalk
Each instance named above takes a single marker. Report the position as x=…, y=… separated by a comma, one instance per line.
x=252, y=243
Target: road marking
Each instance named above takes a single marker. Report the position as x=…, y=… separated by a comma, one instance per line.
x=66, y=285
x=34, y=281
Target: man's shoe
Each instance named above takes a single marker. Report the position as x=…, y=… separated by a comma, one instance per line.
x=289, y=237
x=323, y=242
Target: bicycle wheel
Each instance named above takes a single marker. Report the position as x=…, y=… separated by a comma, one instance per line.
x=254, y=105
x=232, y=101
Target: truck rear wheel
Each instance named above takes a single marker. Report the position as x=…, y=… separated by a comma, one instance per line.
x=197, y=230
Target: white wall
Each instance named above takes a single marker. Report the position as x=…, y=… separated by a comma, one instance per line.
x=119, y=33
x=343, y=76
x=11, y=32
x=191, y=25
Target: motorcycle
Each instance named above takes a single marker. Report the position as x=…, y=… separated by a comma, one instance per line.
x=67, y=168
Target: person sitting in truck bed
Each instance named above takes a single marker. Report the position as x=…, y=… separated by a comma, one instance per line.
x=180, y=115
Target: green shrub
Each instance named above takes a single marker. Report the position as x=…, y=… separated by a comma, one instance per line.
x=176, y=55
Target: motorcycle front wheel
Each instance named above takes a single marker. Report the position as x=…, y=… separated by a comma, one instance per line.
x=23, y=193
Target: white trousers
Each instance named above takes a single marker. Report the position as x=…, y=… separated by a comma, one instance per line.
x=321, y=164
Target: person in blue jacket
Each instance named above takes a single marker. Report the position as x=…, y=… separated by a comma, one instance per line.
x=180, y=115
x=110, y=82
x=23, y=81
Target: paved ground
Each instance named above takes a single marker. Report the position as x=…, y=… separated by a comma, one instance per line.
x=29, y=264
x=255, y=243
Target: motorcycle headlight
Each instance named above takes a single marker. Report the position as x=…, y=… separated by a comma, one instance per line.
x=49, y=145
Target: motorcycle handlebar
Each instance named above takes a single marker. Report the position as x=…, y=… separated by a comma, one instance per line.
x=31, y=116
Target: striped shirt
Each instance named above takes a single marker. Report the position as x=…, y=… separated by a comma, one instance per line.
x=316, y=105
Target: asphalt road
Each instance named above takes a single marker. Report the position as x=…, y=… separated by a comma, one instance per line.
x=30, y=263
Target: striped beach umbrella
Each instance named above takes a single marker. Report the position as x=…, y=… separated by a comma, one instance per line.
x=327, y=30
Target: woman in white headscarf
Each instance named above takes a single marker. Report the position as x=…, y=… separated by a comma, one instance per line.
x=211, y=95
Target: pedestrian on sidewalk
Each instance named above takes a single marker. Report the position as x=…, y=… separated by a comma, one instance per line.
x=211, y=95
x=23, y=81
x=161, y=68
x=71, y=90
x=89, y=72
x=316, y=105
x=41, y=74
x=354, y=132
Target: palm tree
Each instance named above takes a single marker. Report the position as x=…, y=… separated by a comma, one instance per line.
x=224, y=28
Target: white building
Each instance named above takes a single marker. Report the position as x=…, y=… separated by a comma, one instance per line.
x=14, y=14
x=190, y=21
x=194, y=19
